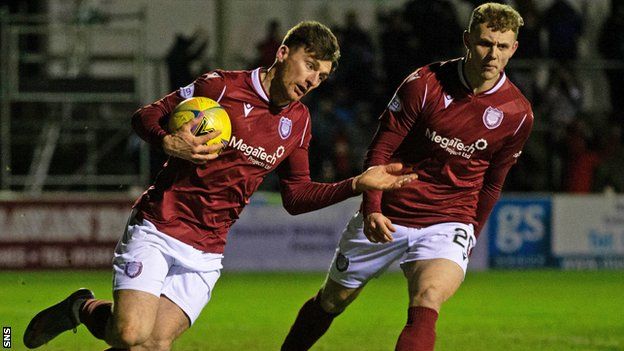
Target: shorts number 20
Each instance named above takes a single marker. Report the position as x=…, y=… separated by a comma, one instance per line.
x=461, y=238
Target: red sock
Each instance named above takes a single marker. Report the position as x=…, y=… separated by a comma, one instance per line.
x=311, y=323
x=94, y=314
x=419, y=332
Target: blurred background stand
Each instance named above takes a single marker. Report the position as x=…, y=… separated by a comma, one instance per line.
x=66, y=101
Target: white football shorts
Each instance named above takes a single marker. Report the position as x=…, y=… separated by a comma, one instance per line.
x=150, y=261
x=357, y=260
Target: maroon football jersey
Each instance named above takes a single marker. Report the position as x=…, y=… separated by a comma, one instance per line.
x=460, y=144
x=197, y=204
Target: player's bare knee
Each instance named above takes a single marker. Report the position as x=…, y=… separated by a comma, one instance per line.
x=132, y=334
x=430, y=296
x=332, y=306
x=158, y=345
x=336, y=300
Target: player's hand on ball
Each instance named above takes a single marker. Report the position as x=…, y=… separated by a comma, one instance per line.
x=378, y=228
x=183, y=144
x=384, y=177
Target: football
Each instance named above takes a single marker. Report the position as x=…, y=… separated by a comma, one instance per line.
x=206, y=116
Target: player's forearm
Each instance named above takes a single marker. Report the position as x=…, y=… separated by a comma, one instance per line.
x=371, y=202
x=305, y=197
x=489, y=194
x=146, y=124
x=380, y=152
x=149, y=121
x=487, y=200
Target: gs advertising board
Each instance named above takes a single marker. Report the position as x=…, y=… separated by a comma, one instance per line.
x=588, y=231
x=519, y=232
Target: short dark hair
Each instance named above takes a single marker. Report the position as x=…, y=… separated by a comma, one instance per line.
x=499, y=17
x=315, y=38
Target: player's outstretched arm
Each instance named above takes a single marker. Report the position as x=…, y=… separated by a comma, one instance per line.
x=183, y=144
x=382, y=177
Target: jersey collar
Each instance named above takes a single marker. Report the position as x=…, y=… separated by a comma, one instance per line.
x=501, y=80
x=257, y=84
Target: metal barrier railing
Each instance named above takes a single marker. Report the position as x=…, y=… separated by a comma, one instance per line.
x=64, y=110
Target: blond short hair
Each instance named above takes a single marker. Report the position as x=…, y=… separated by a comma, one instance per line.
x=499, y=17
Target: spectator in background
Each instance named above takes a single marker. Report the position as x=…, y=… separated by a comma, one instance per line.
x=560, y=103
x=562, y=99
x=530, y=35
x=564, y=27
x=611, y=46
x=434, y=23
x=268, y=46
x=526, y=77
x=182, y=57
x=608, y=174
x=360, y=132
x=324, y=127
x=580, y=161
x=398, y=47
x=342, y=154
x=184, y=52
x=356, y=74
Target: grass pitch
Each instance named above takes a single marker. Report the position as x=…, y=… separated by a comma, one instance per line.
x=496, y=310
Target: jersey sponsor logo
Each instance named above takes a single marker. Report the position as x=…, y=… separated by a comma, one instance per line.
x=257, y=155
x=285, y=127
x=456, y=146
x=492, y=117
x=395, y=104
x=247, y=108
x=447, y=100
x=133, y=269
x=481, y=144
x=187, y=91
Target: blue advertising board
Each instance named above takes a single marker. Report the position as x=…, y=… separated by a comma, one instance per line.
x=519, y=232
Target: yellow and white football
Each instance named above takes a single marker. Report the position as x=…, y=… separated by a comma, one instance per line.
x=206, y=116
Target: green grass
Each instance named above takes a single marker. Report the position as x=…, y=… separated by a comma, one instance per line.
x=497, y=310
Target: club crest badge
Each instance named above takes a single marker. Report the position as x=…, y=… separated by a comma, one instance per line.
x=342, y=262
x=133, y=269
x=492, y=117
x=285, y=127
